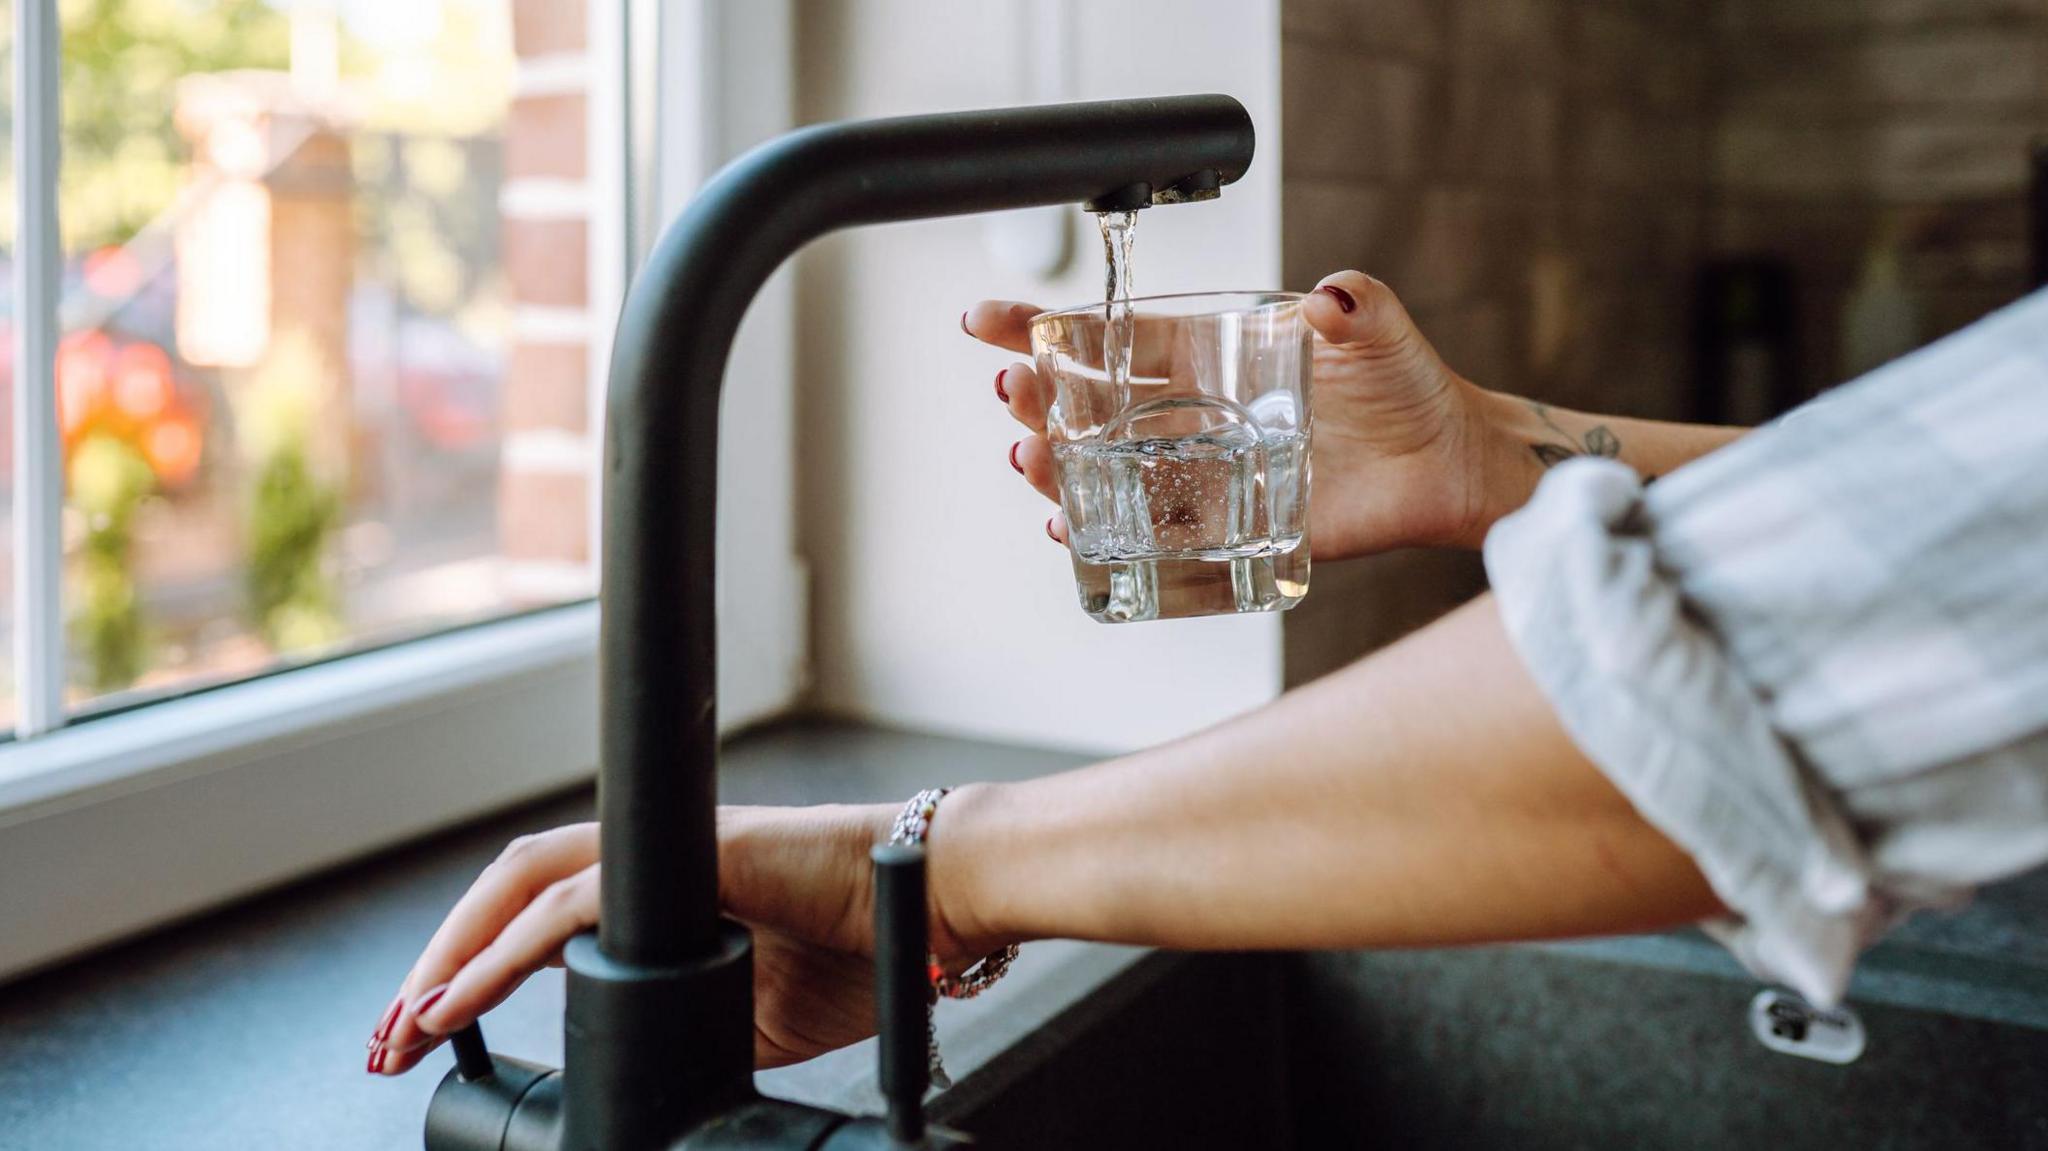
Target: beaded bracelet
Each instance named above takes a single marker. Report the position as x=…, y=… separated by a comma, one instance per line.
x=913, y=824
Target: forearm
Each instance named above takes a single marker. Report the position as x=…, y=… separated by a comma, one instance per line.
x=1425, y=795
x=1541, y=436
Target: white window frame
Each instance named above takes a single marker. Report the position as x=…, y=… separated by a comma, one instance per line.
x=126, y=821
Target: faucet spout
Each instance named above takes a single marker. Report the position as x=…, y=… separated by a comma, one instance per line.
x=660, y=1012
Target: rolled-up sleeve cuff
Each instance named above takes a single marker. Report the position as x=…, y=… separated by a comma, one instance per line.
x=1646, y=691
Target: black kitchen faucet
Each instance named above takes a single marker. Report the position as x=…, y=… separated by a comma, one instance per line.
x=660, y=1020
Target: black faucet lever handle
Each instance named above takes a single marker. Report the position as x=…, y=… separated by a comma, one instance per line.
x=472, y=1058
x=902, y=986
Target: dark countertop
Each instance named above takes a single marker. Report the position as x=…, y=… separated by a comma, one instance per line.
x=245, y=1028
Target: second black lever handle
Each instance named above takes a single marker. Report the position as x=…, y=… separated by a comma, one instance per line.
x=472, y=1058
x=902, y=986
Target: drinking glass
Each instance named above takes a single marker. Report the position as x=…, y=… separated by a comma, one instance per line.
x=1183, y=465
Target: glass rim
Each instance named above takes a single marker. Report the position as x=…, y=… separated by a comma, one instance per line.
x=1271, y=297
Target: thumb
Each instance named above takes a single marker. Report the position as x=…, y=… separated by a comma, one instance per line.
x=1351, y=309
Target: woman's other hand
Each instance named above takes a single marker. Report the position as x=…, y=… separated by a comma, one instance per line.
x=799, y=877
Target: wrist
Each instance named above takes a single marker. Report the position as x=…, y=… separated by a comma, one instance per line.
x=966, y=908
x=1508, y=469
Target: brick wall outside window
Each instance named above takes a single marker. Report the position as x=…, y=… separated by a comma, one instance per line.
x=544, y=492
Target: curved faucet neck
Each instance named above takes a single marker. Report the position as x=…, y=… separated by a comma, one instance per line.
x=658, y=658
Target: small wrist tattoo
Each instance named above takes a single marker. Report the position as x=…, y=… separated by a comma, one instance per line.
x=1598, y=440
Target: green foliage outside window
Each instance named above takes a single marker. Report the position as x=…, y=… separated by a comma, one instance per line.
x=293, y=512
x=123, y=158
x=109, y=480
x=292, y=517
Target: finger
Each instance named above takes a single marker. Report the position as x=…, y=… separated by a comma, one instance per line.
x=1004, y=323
x=1032, y=457
x=527, y=866
x=390, y=1061
x=525, y=945
x=1351, y=309
x=1027, y=396
x=1056, y=527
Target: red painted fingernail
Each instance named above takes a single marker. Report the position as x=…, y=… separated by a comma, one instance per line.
x=963, y=323
x=375, y=1066
x=384, y=1024
x=1013, y=457
x=424, y=1042
x=426, y=1002
x=1342, y=297
x=1049, y=532
x=1000, y=393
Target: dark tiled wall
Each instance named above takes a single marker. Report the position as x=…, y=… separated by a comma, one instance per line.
x=1525, y=173
x=1542, y=179
x=1529, y=176
x=1845, y=129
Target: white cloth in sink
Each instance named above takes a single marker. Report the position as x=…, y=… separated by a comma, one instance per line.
x=1817, y=659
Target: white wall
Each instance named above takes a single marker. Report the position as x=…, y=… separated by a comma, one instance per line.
x=937, y=601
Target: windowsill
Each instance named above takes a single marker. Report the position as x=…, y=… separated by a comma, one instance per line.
x=225, y=793
x=168, y=739
x=246, y=1027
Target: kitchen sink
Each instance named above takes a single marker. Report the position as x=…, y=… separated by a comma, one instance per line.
x=1630, y=1043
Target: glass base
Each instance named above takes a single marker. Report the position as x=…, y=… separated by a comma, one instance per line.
x=1177, y=589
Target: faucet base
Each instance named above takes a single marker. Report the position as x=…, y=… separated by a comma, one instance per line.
x=516, y=1108
x=655, y=1051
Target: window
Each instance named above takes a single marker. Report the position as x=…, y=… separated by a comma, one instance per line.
x=325, y=284
x=343, y=271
